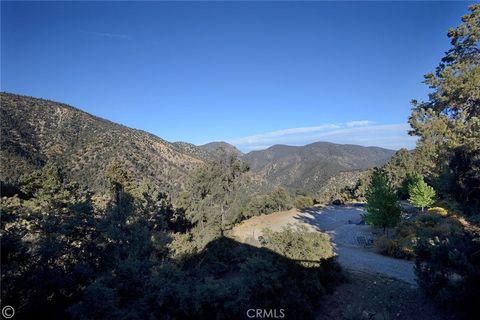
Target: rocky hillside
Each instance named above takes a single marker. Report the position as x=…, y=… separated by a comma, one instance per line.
x=192, y=150
x=307, y=168
x=34, y=131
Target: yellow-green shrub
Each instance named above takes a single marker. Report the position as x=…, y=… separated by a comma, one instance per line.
x=438, y=210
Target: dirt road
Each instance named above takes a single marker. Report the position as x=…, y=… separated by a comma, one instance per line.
x=349, y=238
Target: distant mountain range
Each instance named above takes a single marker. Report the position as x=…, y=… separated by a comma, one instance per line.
x=307, y=168
x=34, y=131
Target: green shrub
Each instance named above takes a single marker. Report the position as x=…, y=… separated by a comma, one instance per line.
x=277, y=200
x=228, y=278
x=297, y=243
x=302, y=202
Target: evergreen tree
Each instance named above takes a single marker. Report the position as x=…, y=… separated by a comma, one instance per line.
x=448, y=123
x=421, y=194
x=212, y=192
x=410, y=179
x=383, y=209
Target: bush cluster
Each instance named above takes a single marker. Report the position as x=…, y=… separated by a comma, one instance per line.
x=302, y=202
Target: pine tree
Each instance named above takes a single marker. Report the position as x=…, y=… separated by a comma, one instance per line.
x=383, y=209
x=209, y=198
x=421, y=194
x=448, y=123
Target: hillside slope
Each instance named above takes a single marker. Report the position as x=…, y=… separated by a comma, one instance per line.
x=307, y=168
x=34, y=131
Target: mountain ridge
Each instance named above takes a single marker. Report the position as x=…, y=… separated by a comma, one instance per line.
x=305, y=169
x=34, y=131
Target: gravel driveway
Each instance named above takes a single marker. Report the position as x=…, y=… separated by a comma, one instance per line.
x=340, y=222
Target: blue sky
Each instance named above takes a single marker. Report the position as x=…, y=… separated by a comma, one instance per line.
x=250, y=73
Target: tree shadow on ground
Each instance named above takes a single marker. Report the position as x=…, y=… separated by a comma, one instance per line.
x=315, y=217
x=229, y=278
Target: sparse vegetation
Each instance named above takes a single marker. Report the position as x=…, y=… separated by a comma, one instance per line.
x=37, y=131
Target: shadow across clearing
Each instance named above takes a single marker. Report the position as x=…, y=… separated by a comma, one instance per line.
x=323, y=219
x=228, y=278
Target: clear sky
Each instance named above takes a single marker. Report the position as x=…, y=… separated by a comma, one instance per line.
x=250, y=73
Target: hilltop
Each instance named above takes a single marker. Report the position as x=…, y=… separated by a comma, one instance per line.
x=219, y=147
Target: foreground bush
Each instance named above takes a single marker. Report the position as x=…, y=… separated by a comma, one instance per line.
x=227, y=278
x=447, y=264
